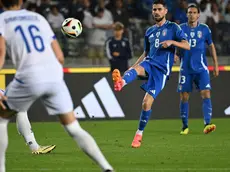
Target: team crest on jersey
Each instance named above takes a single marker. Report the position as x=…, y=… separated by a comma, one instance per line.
x=158, y=34
x=192, y=34
x=123, y=43
x=164, y=32
x=199, y=34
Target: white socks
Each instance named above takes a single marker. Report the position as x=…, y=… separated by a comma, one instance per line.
x=87, y=144
x=140, y=132
x=3, y=142
x=24, y=128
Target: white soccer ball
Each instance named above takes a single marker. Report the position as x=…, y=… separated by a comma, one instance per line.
x=71, y=27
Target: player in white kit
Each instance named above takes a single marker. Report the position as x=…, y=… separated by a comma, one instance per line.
x=31, y=44
x=25, y=130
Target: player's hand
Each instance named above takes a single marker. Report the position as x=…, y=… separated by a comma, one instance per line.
x=216, y=71
x=116, y=54
x=2, y=98
x=176, y=58
x=166, y=44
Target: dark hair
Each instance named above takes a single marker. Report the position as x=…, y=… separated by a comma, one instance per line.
x=194, y=6
x=9, y=3
x=162, y=2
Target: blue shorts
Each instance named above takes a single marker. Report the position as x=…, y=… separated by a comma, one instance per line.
x=156, y=79
x=201, y=81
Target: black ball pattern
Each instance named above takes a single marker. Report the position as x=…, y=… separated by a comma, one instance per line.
x=73, y=27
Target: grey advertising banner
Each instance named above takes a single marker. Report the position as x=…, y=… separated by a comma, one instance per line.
x=94, y=98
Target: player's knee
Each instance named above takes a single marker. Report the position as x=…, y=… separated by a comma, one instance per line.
x=205, y=94
x=146, y=104
x=67, y=118
x=184, y=97
x=140, y=70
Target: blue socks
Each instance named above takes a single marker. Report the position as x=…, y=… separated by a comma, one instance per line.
x=207, y=110
x=184, y=113
x=144, y=119
x=130, y=76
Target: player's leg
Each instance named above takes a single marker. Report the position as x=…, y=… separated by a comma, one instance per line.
x=144, y=117
x=184, y=108
x=3, y=142
x=84, y=140
x=204, y=85
x=184, y=87
x=24, y=129
x=127, y=78
x=60, y=103
x=4, y=119
x=153, y=87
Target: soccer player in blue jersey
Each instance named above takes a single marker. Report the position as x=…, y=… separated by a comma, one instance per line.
x=194, y=68
x=156, y=61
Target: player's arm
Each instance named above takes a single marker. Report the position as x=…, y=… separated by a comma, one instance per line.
x=183, y=44
x=180, y=40
x=212, y=51
x=2, y=51
x=57, y=51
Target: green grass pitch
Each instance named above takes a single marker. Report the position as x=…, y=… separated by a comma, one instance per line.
x=163, y=149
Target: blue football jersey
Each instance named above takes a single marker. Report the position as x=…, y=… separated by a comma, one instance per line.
x=162, y=57
x=194, y=60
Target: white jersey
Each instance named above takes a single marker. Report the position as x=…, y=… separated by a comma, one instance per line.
x=28, y=39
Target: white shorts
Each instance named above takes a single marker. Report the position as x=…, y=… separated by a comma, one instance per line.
x=55, y=96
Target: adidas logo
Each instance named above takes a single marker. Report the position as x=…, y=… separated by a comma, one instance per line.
x=208, y=86
x=151, y=36
x=227, y=111
x=100, y=104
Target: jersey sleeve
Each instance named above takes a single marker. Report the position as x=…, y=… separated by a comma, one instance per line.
x=180, y=35
x=208, y=36
x=48, y=30
x=146, y=44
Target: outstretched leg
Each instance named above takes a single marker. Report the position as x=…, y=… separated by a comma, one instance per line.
x=129, y=76
x=84, y=140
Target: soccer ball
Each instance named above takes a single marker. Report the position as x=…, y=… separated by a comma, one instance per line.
x=71, y=27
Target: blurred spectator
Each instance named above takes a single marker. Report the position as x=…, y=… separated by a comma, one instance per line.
x=205, y=11
x=98, y=36
x=118, y=49
x=120, y=14
x=44, y=7
x=179, y=15
x=107, y=13
x=130, y=6
x=144, y=8
x=32, y=7
x=76, y=10
x=55, y=18
x=215, y=13
x=227, y=13
x=88, y=17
